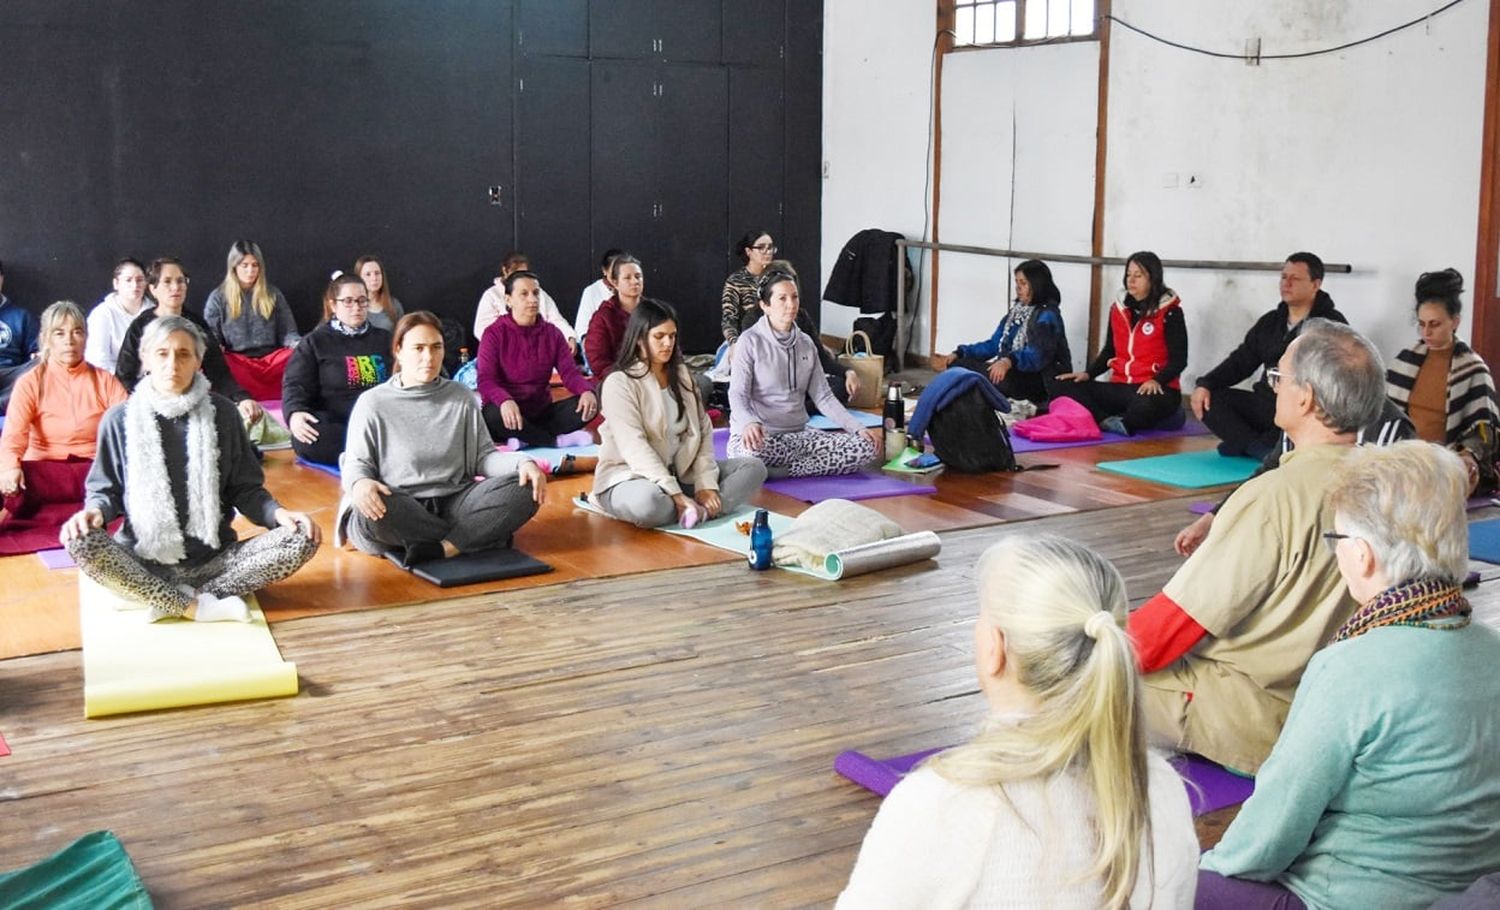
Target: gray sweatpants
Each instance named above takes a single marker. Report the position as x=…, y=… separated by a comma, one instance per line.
x=481, y=517
x=644, y=504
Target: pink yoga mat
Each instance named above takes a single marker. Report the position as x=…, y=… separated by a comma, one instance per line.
x=1209, y=786
x=1021, y=445
x=36, y=532
x=847, y=486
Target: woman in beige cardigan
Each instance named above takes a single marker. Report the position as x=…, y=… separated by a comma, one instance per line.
x=656, y=458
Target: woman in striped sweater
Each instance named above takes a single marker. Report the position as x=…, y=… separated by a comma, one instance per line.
x=1443, y=385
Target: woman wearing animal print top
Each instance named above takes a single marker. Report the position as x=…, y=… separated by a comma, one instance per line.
x=332, y=366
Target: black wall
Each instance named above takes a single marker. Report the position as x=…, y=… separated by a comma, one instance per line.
x=324, y=129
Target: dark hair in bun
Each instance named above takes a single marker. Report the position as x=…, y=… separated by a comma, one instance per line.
x=1441, y=287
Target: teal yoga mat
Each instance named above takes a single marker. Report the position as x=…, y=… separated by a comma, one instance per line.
x=1185, y=469
x=94, y=873
x=1484, y=540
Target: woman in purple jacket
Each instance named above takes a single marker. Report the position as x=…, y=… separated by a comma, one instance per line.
x=517, y=355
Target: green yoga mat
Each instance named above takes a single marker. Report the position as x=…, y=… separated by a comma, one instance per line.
x=1185, y=469
x=92, y=874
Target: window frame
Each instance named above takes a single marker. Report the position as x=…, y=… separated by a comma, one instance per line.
x=948, y=17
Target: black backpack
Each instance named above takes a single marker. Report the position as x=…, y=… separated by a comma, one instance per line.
x=969, y=438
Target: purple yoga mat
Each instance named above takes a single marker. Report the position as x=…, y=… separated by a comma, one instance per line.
x=1202, y=507
x=56, y=559
x=1022, y=445
x=1481, y=502
x=1209, y=786
x=846, y=486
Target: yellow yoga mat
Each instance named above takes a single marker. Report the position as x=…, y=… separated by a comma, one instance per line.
x=130, y=664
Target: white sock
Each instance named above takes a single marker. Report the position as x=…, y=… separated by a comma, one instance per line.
x=221, y=609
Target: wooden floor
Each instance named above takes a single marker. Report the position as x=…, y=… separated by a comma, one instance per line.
x=662, y=739
x=40, y=606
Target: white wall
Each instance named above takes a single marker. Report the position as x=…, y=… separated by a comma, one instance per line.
x=876, y=59
x=1051, y=96
x=1369, y=156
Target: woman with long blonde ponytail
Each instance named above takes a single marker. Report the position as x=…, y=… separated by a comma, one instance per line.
x=1056, y=802
x=250, y=319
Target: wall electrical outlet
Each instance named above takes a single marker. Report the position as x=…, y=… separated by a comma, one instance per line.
x=495, y=196
x=1169, y=181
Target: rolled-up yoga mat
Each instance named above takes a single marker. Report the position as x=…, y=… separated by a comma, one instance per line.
x=882, y=554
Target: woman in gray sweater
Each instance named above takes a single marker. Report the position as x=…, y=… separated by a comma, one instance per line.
x=415, y=445
x=773, y=371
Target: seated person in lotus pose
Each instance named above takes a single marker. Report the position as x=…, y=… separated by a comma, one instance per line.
x=18, y=343
x=656, y=458
x=168, y=284
x=252, y=322
x=1056, y=802
x=1244, y=420
x=52, y=429
x=332, y=366
x=109, y=320
x=775, y=369
x=1384, y=787
x=1145, y=353
x=1444, y=385
x=1029, y=345
x=175, y=461
x=410, y=492
x=495, y=302
x=516, y=358
x=1225, y=642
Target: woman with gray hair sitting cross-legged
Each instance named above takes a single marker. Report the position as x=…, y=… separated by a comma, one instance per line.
x=174, y=460
x=1383, y=789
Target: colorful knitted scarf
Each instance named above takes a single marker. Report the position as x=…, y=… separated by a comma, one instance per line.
x=1423, y=604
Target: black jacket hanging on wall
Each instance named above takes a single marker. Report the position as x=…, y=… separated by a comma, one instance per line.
x=864, y=275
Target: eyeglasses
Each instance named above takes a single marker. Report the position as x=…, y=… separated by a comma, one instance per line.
x=1331, y=540
x=1273, y=378
x=764, y=248
x=359, y=302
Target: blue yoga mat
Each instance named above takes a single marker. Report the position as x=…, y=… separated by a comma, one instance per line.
x=1185, y=469
x=329, y=469
x=1484, y=540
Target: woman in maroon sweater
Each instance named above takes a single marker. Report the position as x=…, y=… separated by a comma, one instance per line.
x=517, y=355
x=601, y=344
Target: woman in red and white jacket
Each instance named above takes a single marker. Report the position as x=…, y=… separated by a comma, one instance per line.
x=1145, y=352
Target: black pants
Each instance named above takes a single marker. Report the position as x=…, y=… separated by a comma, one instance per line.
x=332, y=429
x=1016, y=384
x=1245, y=421
x=1120, y=399
x=541, y=429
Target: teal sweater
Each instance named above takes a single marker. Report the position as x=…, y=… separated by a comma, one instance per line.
x=1384, y=788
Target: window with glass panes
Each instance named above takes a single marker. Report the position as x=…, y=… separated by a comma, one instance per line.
x=990, y=22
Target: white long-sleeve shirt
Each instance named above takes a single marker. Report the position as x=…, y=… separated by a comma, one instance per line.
x=936, y=843
x=589, y=301
x=493, y=305
x=107, y=323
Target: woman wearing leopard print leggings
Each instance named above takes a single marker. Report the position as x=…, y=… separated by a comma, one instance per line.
x=175, y=462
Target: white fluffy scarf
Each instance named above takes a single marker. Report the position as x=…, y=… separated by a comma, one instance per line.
x=148, y=489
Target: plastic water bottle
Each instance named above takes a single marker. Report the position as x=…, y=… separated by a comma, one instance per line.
x=463, y=356
x=760, y=541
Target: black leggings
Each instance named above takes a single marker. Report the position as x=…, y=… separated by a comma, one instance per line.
x=1120, y=399
x=326, y=449
x=1016, y=384
x=540, y=429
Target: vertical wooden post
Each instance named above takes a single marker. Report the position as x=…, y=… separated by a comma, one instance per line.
x=1101, y=134
x=943, y=43
x=1486, y=305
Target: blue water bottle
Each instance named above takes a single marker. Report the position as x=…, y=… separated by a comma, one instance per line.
x=760, y=541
